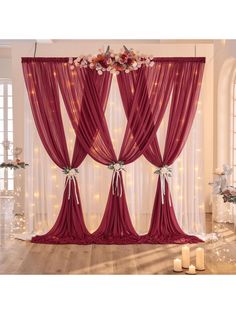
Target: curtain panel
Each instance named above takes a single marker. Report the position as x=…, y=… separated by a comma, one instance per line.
x=145, y=94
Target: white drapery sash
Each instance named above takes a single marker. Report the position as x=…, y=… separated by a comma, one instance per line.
x=116, y=177
x=71, y=179
x=165, y=173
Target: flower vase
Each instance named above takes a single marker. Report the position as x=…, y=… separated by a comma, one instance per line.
x=222, y=212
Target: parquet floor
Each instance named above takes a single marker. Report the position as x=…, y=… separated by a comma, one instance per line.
x=22, y=257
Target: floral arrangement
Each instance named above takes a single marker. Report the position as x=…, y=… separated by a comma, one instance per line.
x=127, y=60
x=14, y=164
x=220, y=184
x=70, y=171
x=229, y=195
x=117, y=166
x=165, y=170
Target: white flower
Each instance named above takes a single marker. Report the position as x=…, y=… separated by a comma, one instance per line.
x=117, y=167
x=71, y=173
x=164, y=170
x=100, y=72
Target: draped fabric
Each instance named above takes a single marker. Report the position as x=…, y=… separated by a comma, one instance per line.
x=45, y=104
x=164, y=227
x=149, y=85
x=145, y=94
x=116, y=226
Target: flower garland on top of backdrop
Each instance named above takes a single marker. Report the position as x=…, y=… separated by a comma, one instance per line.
x=127, y=60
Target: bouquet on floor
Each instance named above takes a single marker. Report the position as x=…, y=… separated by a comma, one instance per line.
x=221, y=186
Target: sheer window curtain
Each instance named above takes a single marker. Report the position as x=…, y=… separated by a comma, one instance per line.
x=45, y=181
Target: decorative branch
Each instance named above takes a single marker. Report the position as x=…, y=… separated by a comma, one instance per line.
x=13, y=165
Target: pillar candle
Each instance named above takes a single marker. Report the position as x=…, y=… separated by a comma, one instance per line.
x=192, y=269
x=185, y=256
x=177, y=264
x=200, y=264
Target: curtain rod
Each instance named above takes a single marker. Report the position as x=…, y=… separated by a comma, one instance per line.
x=156, y=59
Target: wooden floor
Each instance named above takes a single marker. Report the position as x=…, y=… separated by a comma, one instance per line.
x=21, y=257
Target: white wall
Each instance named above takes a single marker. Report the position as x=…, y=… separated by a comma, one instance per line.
x=5, y=67
x=224, y=65
x=75, y=48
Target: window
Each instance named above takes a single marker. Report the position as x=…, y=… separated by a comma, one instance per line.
x=6, y=134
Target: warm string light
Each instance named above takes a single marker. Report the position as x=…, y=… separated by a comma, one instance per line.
x=96, y=196
x=36, y=194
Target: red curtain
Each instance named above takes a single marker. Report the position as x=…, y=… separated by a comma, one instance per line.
x=149, y=85
x=145, y=94
x=164, y=227
x=116, y=226
x=42, y=78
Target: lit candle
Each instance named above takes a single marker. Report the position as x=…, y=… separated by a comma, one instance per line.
x=185, y=256
x=177, y=264
x=192, y=269
x=200, y=263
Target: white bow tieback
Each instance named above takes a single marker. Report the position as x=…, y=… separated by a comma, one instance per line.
x=71, y=174
x=165, y=173
x=116, y=177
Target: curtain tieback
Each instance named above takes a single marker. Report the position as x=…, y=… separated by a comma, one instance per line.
x=117, y=167
x=165, y=173
x=71, y=174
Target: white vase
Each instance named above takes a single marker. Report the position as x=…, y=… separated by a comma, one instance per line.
x=223, y=212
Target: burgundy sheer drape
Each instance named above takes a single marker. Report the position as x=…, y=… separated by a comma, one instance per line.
x=116, y=226
x=164, y=227
x=43, y=94
x=145, y=94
